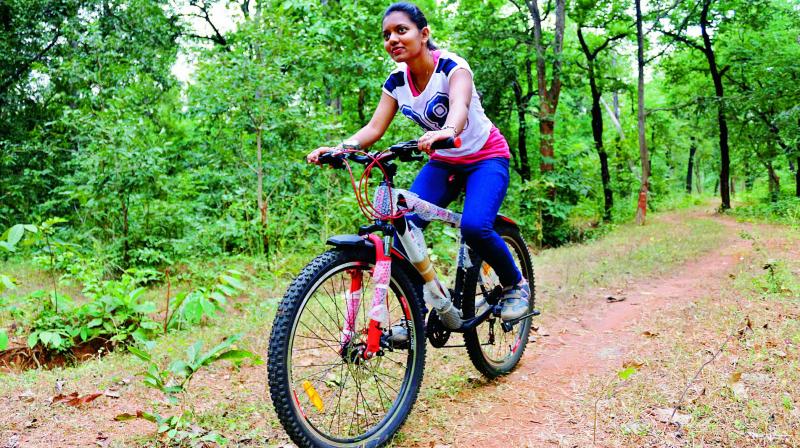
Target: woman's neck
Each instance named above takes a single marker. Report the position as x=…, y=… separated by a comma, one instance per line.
x=421, y=69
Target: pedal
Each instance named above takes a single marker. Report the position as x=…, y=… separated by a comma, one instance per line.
x=509, y=325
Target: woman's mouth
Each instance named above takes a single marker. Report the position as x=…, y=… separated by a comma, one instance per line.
x=396, y=51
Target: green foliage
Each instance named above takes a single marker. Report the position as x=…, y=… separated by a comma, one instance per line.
x=174, y=381
x=204, y=302
x=8, y=242
x=784, y=211
x=777, y=280
x=115, y=314
x=149, y=172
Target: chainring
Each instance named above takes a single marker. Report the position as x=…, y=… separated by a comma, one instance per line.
x=437, y=334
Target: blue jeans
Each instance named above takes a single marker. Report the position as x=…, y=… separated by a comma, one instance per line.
x=486, y=183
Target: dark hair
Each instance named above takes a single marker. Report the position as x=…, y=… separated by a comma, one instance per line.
x=414, y=13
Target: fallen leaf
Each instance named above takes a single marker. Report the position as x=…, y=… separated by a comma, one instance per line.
x=61, y=397
x=27, y=396
x=735, y=377
x=612, y=299
x=31, y=423
x=124, y=417
x=635, y=364
x=111, y=394
x=649, y=334
x=74, y=399
x=102, y=440
x=542, y=332
x=665, y=415
x=60, y=385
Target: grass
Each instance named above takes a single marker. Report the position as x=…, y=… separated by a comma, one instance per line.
x=627, y=253
x=235, y=402
x=749, y=395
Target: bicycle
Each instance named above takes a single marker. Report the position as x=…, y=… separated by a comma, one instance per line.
x=347, y=348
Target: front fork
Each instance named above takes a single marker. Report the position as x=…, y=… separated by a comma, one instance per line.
x=379, y=312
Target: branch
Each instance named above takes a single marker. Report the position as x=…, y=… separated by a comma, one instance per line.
x=27, y=65
x=613, y=118
x=685, y=40
x=696, y=375
x=608, y=41
x=218, y=38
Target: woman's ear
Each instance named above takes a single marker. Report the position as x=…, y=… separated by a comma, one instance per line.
x=426, y=35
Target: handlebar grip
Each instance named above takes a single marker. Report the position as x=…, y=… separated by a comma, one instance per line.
x=333, y=159
x=447, y=144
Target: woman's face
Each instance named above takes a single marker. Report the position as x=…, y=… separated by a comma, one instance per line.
x=401, y=37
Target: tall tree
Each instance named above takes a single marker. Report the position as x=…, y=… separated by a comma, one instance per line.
x=606, y=16
x=548, y=92
x=702, y=14
x=641, y=208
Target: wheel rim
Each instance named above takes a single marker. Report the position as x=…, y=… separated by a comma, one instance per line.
x=500, y=347
x=358, y=398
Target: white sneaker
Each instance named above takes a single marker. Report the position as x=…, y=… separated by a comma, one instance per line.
x=516, y=301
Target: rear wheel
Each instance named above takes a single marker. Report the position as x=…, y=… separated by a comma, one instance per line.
x=493, y=351
x=324, y=392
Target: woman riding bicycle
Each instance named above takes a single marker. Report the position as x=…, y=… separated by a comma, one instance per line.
x=435, y=89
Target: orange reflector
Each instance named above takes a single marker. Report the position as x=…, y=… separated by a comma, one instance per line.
x=313, y=395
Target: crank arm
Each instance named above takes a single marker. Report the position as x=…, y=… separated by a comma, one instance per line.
x=508, y=325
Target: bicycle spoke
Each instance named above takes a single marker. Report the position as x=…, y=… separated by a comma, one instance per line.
x=357, y=394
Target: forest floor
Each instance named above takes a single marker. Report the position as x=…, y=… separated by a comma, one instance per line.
x=704, y=317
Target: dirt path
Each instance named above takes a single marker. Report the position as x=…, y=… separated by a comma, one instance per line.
x=532, y=407
x=583, y=343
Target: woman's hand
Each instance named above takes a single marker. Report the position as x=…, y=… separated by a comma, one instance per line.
x=427, y=140
x=313, y=156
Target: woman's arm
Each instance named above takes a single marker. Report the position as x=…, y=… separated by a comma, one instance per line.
x=372, y=132
x=460, y=96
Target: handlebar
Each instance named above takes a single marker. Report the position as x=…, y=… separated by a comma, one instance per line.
x=405, y=151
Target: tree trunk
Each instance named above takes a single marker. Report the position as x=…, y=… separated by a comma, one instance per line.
x=797, y=178
x=641, y=209
x=699, y=176
x=692, y=151
x=125, y=233
x=774, y=183
x=597, y=134
x=546, y=128
x=362, y=96
x=597, y=127
x=548, y=97
x=716, y=77
x=262, y=203
x=522, y=145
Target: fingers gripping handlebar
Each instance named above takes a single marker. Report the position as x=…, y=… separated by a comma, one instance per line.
x=404, y=151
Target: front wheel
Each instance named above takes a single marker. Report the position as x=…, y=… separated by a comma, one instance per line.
x=493, y=351
x=325, y=392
